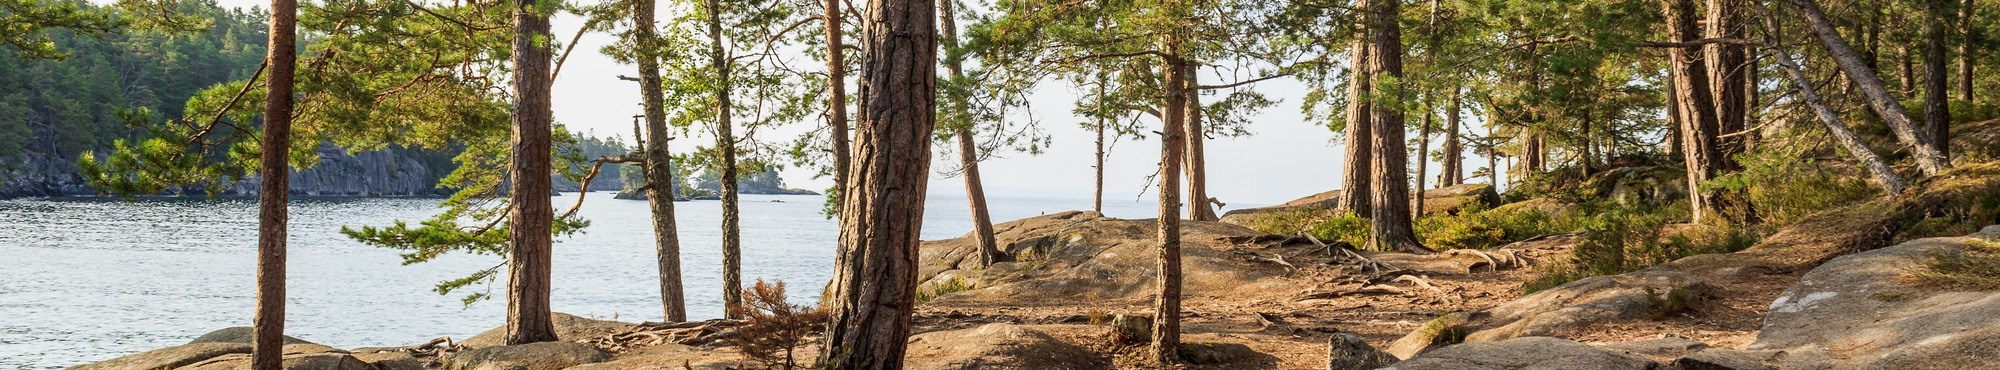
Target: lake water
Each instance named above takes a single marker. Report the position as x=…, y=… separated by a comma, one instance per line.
x=84, y=280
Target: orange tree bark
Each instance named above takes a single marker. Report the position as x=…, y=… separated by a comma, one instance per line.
x=1937, y=114
x=1173, y=115
x=1696, y=104
x=836, y=97
x=268, y=325
x=875, y=281
x=1727, y=77
x=725, y=143
x=1197, y=166
x=968, y=149
x=659, y=167
x=530, y=216
x=1965, y=49
x=1389, y=166
x=1354, y=185
x=1453, y=172
x=1929, y=158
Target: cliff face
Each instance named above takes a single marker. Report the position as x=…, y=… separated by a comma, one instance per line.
x=386, y=172
x=374, y=173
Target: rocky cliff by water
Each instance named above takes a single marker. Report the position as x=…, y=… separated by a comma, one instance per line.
x=383, y=172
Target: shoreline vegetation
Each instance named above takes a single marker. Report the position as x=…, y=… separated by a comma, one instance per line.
x=1683, y=184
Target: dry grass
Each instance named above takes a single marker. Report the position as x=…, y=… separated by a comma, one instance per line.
x=1975, y=269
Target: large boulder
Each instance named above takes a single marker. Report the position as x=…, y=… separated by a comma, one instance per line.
x=1317, y=202
x=996, y=346
x=1348, y=352
x=1635, y=186
x=168, y=358
x=675, y=356
x=1525, y=353
x=1073, y=256
x=239, y=334
x=1451, y=199
x=1567, y=308
x=292, y=360
x=568, y=327
x=1854, y=312
x=531, y=356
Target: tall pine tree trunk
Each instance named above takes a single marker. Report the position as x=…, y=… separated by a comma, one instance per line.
x=1197, y=167
x=1423, y=156
x=1693, y=96
x=1727, y=77
x=531, y=216
x=836, y=98
x=968, y=150
x=1097, y=194
x=1965, y=49
x=1173, y=115
x=1389, y=166
x=1929, y=159
x=268, y=324
x=1454, y=156
x=725, y=143
x=1937, y=113
x=875, y=282
x=659, y=166
x=1492, y=151
x=1355, y=157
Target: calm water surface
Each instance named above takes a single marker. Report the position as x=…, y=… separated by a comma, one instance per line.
x=84, y=280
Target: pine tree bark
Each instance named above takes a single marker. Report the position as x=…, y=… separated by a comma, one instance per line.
x=273, y=196
x=1097, y=194
x=1532, y=153
x=1389, y=165
x=1885, y=176
x=725, y=144
x=1355, y=157
x=1909, y=76
x=1965, y=49
x=968, y=149
x=1699, y=128
x=1454, y=157
x=659, y=165
x=1929, y=159
x=531, y=217
x=1173, y=115
x=1492, y=152
x=1727, y=77
x=1423, y=155
x=1937, y=113
x=836, y=98
x=875, y=282
x=1197, y=167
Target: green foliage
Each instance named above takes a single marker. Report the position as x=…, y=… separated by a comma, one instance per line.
x=1479, y=228
x=1977, y=268
x=939, y=289
x=1784, y=189
x=1666, y=304
x=1624, y=241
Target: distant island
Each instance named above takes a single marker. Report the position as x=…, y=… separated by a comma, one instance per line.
x=706, y=186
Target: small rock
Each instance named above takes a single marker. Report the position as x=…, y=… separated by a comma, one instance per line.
x=396, y=360
x=1132, y=329
x=1524, y=353
x=1445, y=330
x=1345, y=351
x=1668, y=347
x=1724, y=359
x=531, y=356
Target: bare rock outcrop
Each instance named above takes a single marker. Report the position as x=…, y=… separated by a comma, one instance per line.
x=1524, y=353
x=1854, y=312
x=1077, y=255
x=996, y=346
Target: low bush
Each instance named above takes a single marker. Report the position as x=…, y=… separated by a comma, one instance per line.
x=1622, y=241
x=773, y=328
x=940, y=289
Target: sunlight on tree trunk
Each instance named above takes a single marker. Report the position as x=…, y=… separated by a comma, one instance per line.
x=268, y=326
x=531, y=216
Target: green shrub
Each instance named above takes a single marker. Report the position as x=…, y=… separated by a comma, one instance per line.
x=1783, y=189
x=1622, y=241
x=1478, y=228
x=940, y=289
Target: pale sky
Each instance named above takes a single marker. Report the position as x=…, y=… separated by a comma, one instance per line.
x=1285, y=157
